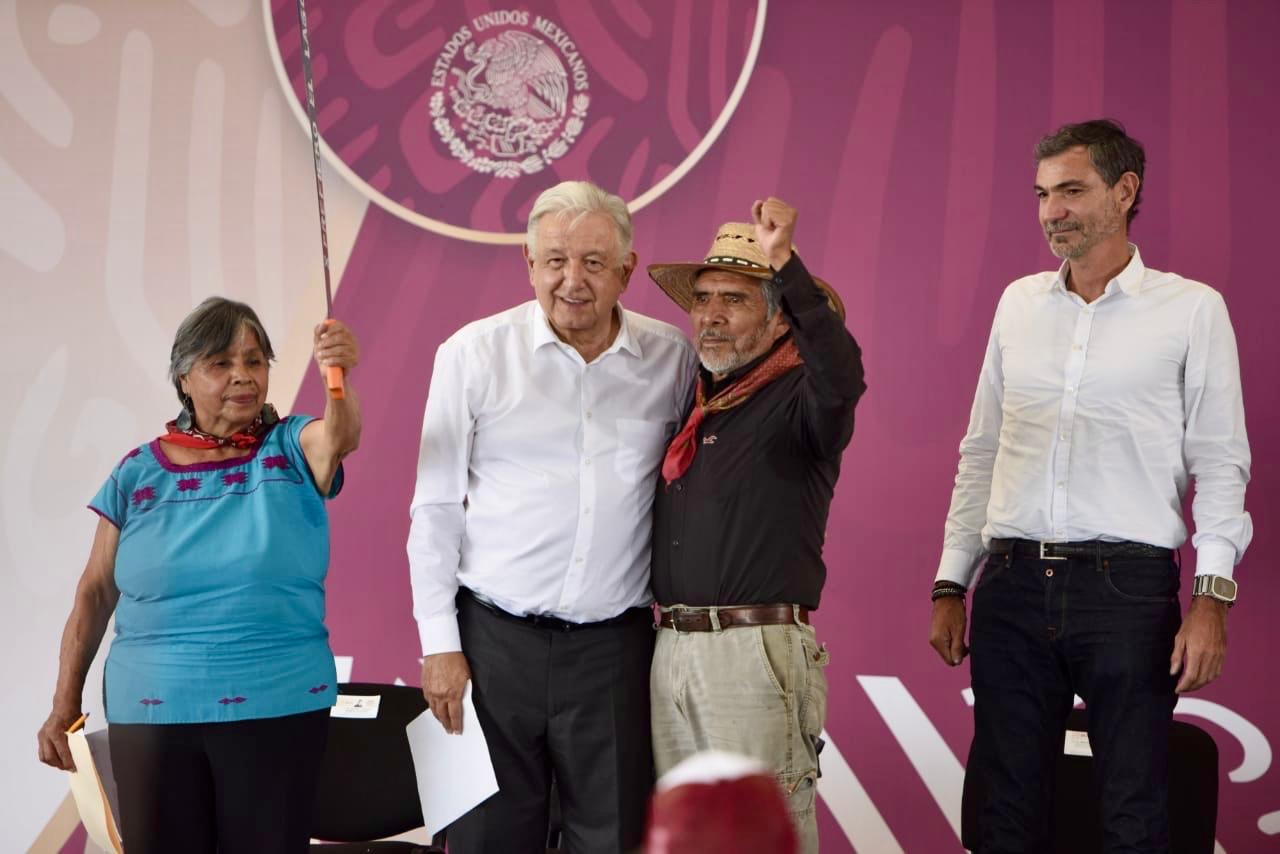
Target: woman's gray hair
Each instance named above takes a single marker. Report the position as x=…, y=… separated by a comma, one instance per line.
x=578, y=199
x=210, y=329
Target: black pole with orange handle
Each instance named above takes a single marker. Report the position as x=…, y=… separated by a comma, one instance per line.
x=333, y=373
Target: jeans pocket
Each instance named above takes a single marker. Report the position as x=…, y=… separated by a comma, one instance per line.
x=992, y=569
x=1142, y=579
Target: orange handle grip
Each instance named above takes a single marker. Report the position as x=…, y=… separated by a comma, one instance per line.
x=333, y=379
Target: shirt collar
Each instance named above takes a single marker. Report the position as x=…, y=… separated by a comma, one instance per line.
x=625, y=340
x=1128, y=280
x=543, y=334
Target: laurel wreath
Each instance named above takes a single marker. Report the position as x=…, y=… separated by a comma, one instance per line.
x=509, y=168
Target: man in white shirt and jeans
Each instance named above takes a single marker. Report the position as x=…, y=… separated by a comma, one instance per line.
x=1104, y=385
x=530, y=539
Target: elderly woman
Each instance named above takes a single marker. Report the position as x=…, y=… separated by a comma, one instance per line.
x=212, y=549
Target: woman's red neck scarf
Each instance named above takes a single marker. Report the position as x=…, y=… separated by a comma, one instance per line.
x=182, y=431
x=682, y=448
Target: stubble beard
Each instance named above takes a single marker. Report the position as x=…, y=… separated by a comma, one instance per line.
x=1090, y=236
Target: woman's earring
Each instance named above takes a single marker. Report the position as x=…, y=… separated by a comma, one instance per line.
x=186, y=417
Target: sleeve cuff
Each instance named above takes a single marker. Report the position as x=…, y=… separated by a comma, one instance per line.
x=1215, y=558
x=439, y=634
x=957, y=565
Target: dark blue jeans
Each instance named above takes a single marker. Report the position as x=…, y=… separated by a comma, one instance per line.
x=1043, y=630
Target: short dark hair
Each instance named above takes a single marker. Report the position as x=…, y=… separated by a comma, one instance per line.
x=210, y=329
x=1112, y=151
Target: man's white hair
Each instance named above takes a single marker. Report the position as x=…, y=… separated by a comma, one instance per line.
x=578, y=199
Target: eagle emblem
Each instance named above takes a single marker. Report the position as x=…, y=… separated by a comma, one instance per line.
x=509, y=108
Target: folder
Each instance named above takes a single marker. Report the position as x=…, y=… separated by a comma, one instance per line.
x=94, y=793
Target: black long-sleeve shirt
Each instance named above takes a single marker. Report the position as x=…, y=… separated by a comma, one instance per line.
x=746, y=523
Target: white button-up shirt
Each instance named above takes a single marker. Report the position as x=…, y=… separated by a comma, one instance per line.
x=1089, y=417
x=537, y=470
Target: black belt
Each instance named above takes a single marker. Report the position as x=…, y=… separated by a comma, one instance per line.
x=1082, y=549
x=555, y=624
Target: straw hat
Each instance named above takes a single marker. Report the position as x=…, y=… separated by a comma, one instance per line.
x=734, y=250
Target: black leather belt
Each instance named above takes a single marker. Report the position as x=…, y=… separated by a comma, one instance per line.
x=1082, y=549
x=699, y=619
x=555, y=624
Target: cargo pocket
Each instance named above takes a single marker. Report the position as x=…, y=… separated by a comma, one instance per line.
x=813, y=704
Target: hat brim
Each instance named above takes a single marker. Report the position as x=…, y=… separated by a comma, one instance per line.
x=676, y=281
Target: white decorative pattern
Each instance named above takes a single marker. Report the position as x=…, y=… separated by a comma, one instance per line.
x=73, y=25
x=204, y=172
x=30, y=229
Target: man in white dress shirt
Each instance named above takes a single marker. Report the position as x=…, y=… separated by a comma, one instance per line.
x=530, y=538
x=1104, y=386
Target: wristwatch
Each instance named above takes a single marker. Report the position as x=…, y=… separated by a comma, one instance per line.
x=1215, y=587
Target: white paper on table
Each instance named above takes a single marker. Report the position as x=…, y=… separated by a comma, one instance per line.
x=363, y=706
x=1077, y=743
x=454, y=772
x=94, y=788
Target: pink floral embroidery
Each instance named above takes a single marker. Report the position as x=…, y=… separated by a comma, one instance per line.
x=277, y=461
x=318, y=688
x=146, y=493
x=234, y=478
x=188, y=484
x=151, y=701
x=228, y=700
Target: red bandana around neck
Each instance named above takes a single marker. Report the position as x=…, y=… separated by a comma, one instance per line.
x=682, y=448
x=194, y=437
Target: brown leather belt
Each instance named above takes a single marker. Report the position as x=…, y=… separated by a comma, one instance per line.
x=700, y=619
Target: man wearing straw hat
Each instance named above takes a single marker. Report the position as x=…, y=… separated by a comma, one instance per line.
x=741, y=509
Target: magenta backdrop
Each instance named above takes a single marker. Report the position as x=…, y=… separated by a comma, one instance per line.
x=902, y=133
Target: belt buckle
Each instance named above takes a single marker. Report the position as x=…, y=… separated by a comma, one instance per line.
x=1044, y=556
x=682, y=615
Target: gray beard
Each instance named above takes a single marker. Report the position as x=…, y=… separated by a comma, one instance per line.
x=724, y=365
x=743, y=351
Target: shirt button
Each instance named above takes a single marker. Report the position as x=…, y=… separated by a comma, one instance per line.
x=1061, y=484
x=586, y=462
x=588, y=413
x=577, y=560
x=1076, y=347
x=1063, y=437
x=586, y=512
x=679, y=487
x=675, y=543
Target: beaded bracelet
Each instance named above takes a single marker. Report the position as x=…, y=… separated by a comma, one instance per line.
x=945, y=589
